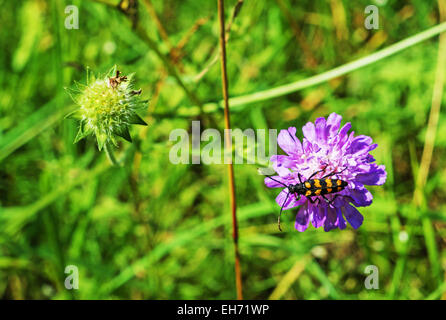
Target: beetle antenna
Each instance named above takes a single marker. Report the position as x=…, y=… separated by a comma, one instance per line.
x=283, y=184
x=280, y=213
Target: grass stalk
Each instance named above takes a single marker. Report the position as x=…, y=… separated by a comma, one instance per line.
x=339, y=71
x=434, y=115
x=238, y=274
x=419, y=197
x=321, y=77
x=426, y=158
x=422, y=171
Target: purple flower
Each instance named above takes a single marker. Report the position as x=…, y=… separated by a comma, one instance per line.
x=330, y=149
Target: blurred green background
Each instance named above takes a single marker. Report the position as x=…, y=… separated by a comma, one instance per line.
x=154, y=230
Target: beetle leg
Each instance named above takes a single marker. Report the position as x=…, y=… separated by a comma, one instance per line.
x=330, y=202
x=325, y=198
x=333, y=173
x=311, y=200
x=315, y=173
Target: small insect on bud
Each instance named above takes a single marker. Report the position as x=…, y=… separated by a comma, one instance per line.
x=107, y=107
x=116, y=80
x=136, y=92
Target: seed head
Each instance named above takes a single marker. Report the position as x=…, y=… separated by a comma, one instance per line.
x=107, y=106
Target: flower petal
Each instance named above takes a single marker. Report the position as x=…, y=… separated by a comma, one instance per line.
x=341, y=222
x=288, y=141
x=302, y=219
x=377, y=175
x=318, y=216
x=291, y=201
x=333, y=124
x=345, y=129
x=282, y=198
x=359, y=143
x=353, y=216
x=309, y=132
x=280, y=168
x=361, y=197
x=284, y=161
x=321, y=136
x=330, y=220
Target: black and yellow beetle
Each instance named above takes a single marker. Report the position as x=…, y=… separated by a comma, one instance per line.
x=312, y=188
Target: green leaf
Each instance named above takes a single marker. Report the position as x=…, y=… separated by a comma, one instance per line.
x=135, y=119
x=124, y=133
x=73, y=115
x=112, y=71
x=80, y=134
x=101, y=138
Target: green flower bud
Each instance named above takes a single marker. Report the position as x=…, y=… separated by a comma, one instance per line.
x=107, y=106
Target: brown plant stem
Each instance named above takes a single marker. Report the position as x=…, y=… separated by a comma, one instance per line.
x=224, y=76
x=214, y=59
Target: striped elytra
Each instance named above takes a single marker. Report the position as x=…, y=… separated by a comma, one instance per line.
x=318, y=187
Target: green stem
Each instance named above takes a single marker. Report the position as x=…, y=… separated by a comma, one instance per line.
x=111, y=155
x=320, y=78
x=339, y=71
